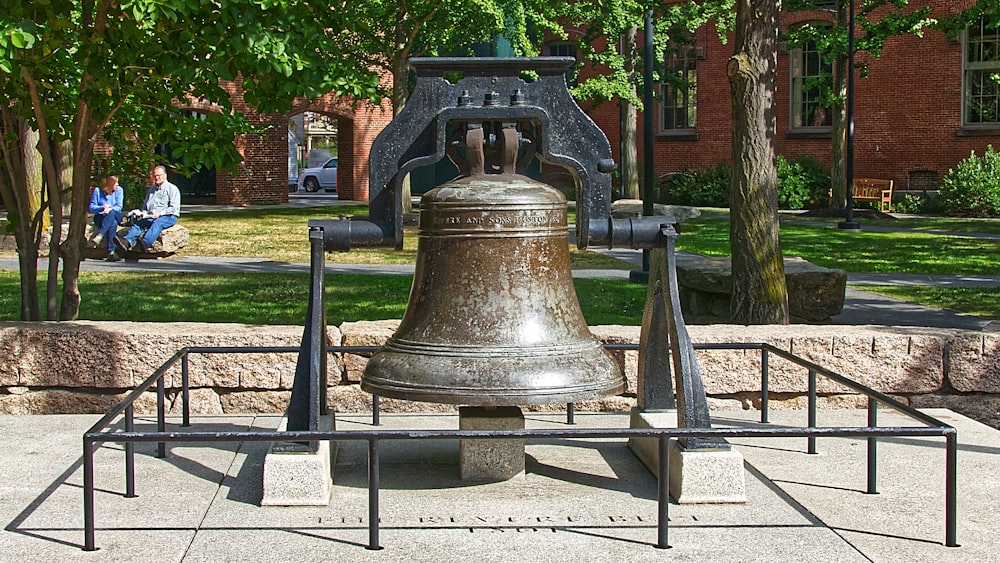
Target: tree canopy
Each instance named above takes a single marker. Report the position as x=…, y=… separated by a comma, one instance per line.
x=75, y=72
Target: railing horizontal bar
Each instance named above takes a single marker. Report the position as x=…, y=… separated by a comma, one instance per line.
x=305, y=435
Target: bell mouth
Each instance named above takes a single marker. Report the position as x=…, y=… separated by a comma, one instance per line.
x=493, y=376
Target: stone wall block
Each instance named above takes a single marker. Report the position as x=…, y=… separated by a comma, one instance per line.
x=616, y=334
x=829, y=402
x=725, y=372
x=731, y=371
x=351, y=399
x=203, y=401
x=68, y=355
x=630, y=363
x=974, y=363
x=61, y=401
x=887, y=363
x=10, y=355
x=264, y=371
x=363, y=333
x=255, y=402
x=354, y=366
x=368, y=333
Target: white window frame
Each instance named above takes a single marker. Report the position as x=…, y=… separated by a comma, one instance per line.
x=978, y=43
x=675, y=103
x=800, y=96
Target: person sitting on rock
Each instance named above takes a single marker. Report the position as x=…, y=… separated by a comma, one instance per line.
x=106, y=205
x=160, y=211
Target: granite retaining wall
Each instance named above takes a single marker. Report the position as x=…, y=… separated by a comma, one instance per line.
x=86, y=367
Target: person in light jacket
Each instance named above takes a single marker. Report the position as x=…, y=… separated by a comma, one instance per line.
x=160, y=211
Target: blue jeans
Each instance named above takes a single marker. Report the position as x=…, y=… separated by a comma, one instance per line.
x=107, y=225
x=153, y=228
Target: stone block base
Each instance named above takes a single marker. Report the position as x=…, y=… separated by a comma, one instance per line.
x=695, y=476
x=491, y=459
x=300, y=478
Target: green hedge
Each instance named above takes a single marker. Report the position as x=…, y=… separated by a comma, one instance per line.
x=803, y=183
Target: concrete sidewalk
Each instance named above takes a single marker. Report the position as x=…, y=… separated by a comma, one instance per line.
x=580, y=500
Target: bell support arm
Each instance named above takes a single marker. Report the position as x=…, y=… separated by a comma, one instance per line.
x=531, y=90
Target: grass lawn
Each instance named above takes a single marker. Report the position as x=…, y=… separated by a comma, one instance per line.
x=269, y=298
x=824, y=244
x=281, y=235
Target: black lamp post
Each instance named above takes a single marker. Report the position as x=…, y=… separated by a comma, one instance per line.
x=849, y=223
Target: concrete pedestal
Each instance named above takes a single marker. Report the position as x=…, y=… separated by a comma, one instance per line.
x=492, y=459
x=300, y=478
x=695, y=476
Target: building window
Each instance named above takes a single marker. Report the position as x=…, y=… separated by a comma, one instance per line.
x=982, y=73
x=679, y=89
x=564, y=49
x=811, y=79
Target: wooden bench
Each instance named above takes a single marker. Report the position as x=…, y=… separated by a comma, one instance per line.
x=869, y=189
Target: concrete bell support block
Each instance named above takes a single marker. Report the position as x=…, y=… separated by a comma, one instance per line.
x=491, y=459
x=300, y=478
x=695, y=476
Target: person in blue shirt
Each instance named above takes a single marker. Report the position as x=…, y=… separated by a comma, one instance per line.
x=160, y=211
x=106, y=205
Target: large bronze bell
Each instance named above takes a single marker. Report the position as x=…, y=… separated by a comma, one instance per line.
x=493, y=318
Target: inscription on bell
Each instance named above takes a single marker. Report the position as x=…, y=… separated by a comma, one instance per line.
x=499, y=218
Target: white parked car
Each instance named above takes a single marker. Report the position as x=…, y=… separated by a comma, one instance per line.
x=312, y=179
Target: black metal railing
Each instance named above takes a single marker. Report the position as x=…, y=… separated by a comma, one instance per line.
x=98, y=433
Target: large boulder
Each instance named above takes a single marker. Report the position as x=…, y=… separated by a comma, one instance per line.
x=169, y=242
x=705, y=284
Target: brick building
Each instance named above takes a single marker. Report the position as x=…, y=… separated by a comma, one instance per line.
x=925, y=104
x=263, y=174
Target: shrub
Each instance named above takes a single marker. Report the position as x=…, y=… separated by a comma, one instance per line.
x=921, y=204
x=972, y=189
x=705, y=187
x=803, y=183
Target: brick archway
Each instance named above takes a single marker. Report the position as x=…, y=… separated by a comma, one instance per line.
x=357, y=127
x=263, y=174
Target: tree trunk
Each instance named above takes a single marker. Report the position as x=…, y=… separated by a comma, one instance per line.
x=71, y=250
x=759, y=293
x=83, y=154
x=32, y=153
x=629, y=116
x=23, y=210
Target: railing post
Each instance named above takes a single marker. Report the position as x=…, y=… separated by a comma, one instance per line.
x=373, y=490
x=764, y=384
x=812, y=409
x=88, y=495
x=872, y=448
x=185, y=391
x=376, y=416
x=663, y=493
x=129, y=454
x=570, y=413
x=951, y=490
x=161, y=422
